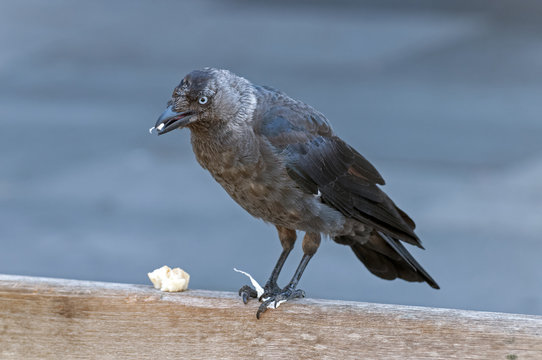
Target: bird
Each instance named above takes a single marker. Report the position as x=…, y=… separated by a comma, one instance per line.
x=281, y=161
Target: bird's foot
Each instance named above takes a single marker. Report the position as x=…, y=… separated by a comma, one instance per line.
x=246, y=292
x=278, y=298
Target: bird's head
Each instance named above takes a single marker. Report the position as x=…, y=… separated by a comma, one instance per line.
x=207, y=98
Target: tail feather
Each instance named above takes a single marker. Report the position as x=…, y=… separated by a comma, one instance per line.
x=407, y=257
x=387, y=258
x=406, y=218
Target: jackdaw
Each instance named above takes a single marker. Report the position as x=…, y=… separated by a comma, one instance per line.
x=280, y=160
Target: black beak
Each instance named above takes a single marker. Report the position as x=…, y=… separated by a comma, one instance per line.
x=171, y=120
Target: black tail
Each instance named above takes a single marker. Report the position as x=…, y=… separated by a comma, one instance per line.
x=387, y=258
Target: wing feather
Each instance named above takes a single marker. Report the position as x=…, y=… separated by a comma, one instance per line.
x=317, y=160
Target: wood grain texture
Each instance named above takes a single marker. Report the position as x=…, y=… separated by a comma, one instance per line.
x=43, y=318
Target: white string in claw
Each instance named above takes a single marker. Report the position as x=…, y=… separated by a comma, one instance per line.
x=259, y=289
x=275, y=304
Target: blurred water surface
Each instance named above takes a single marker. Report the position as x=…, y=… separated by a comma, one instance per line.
x=446, y=102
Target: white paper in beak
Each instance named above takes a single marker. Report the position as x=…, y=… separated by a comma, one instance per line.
x=257, y=286
x=160, y=127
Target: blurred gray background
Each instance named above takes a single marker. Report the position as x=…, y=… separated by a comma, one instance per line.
x=446, y=101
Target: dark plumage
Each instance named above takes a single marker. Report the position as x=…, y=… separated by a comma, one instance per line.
x=280, y=160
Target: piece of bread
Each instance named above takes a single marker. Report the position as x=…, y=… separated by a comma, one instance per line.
x=167, y=279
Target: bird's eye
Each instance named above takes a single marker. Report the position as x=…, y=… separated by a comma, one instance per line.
x=203, y=100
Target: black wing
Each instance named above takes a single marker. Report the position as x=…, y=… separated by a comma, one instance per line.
x=317, y=160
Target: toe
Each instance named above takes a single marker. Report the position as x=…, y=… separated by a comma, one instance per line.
x=297, y=294
x=274, y=301
x=247, y=292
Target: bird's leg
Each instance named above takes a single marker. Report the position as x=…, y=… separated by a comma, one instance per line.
x=287, y=239
x=311, y=242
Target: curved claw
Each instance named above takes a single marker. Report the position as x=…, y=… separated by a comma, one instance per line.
x=262, y=308
x=247, y=292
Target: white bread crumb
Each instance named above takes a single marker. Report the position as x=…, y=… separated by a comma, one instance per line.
x=167, y=279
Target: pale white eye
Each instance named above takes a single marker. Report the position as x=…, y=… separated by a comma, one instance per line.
x=203, y=100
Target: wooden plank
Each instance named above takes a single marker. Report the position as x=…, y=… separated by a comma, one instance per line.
x=44, y=318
